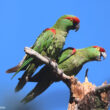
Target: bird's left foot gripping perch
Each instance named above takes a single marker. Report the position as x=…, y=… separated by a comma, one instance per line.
x=55, y=67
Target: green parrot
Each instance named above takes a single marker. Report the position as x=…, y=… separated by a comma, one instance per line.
x=71, y=61
x=49, y=43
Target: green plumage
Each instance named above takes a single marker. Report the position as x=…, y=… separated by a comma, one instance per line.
x=73, y=64
x=51, y=47
x=49, y=43
x=70, y=65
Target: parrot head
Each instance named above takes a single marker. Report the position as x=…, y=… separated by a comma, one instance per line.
x=68, y=22
x=96, y=53
x=101, y=51
x=73, y=21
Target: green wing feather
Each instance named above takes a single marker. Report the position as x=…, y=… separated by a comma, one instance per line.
x=65, y=54
x=41, y=44
x=22, y=66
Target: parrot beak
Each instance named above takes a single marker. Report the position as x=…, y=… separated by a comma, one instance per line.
x=104, y=55
x=77, y=27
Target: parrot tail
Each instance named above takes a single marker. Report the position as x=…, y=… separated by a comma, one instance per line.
x=28, y=73
x=24, y=65
x=39, y=88
x=14, y=69
x=44, y=78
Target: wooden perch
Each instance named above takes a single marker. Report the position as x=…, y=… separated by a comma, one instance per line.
x=83, y=96
x=46, y=61
x=86, y=96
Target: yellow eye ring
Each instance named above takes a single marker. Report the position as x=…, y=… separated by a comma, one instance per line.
x=98, y=48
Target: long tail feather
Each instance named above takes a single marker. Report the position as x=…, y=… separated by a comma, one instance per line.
x=14, y=69
x=40, y=87
x=22, y=66
x=28, y=73
x=44, y=78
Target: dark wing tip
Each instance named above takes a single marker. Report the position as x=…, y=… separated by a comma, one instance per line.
x=16, y=89
x=9, y=71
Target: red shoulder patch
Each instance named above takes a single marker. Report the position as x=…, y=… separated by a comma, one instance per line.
x=74, y=51
x=51, y=29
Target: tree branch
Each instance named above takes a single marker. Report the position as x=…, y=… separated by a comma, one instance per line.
x=102, y=88
x=46, y=61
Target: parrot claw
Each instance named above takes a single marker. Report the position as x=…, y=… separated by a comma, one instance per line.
x=49, y=60
x=55, y=64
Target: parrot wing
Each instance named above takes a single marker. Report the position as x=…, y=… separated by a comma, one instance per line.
x=41, y=44
x=65, y=54
x=39, y=88
x=44, y=79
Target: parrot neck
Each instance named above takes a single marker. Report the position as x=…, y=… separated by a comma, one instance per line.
x=62, y=26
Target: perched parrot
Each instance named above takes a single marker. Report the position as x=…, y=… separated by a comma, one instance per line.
x=49, y=43
x=71, y=61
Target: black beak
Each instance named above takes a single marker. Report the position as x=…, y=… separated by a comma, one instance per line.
x=77, y=27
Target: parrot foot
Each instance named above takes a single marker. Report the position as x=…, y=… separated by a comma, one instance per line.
x=50, y=61
x=55, y=64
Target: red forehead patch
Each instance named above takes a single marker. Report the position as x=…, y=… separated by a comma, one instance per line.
x=101, y=49
x=74, y=19
x=51, y=29
x=70, y=18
